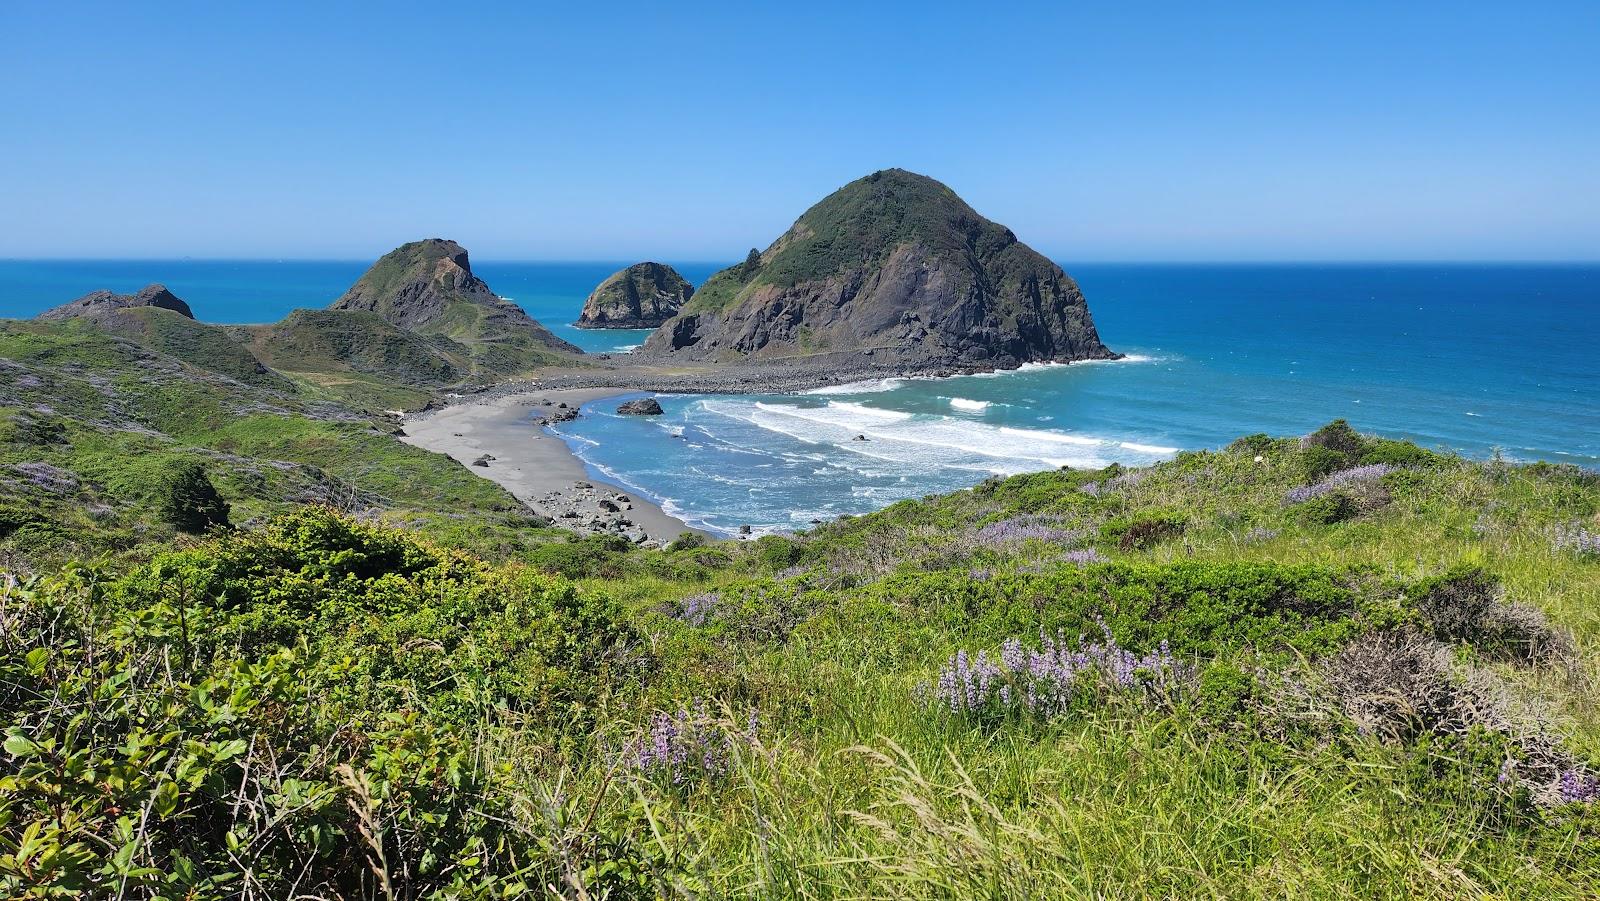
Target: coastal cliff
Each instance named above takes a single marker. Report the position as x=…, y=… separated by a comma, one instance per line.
x=643, y=295
x=893, y=270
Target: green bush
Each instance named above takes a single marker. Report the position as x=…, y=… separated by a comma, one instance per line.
x=1326, y=509
x=189, y=502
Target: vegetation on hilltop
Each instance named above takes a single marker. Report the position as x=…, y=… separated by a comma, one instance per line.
x=1325, y=667
x=427, y=287
x=94, y=429
x=893, y=264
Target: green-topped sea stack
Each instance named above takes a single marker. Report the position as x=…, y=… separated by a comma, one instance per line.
x=892, y=271
x=643, y=295
x=427, y=287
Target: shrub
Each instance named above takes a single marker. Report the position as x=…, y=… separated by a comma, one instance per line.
x=1143, y=531
x=1326, y=509
x=189, y=502
x=1466, y=605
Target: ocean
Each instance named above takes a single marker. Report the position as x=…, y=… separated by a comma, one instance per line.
x=1480, y=359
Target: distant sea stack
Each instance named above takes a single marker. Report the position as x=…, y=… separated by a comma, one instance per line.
x=97, y=302
x=893, y=271
x=427, y=287
x=643, y=295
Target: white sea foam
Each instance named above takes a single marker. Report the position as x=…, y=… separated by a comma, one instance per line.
x=1149, y=448
x=869, y=386
x=962, y=403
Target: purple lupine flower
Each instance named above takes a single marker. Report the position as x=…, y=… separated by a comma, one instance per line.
x=1083, y=557
x=696, y=609
x=1043, y=682
x=1359, y=475
x=1090, y=488
x=1024, y=528
x=1577, y=787
x=687, y=746
x=1508, y=770
x=1577, y=539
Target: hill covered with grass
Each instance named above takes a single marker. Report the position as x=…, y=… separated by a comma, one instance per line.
x=96, y=431
x=1324, y=667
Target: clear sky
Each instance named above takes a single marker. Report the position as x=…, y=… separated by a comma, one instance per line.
x=601, y=130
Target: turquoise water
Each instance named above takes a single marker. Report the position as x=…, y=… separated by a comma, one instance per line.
x=1477, y=359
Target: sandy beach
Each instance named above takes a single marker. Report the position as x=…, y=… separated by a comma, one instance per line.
x=536, y=466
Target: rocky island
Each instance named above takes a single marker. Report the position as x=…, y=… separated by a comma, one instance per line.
x=643, y=295
x=892, y=273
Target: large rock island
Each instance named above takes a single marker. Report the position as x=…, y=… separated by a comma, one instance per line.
x=892, y=271
x=643, y=295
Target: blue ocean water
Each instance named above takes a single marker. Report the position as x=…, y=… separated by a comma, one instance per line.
x=1473, y=358
x=1476, y=359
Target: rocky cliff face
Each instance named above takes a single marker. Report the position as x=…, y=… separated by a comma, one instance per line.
x=427, y=287
x=894, y=268
x=643, y=295
x=98, y=302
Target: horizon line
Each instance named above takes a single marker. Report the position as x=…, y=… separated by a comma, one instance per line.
x=1145, y=261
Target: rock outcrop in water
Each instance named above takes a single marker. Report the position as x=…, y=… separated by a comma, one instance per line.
x=98, y=302
x=893, y=271
x=643, y=295
x=427, y=287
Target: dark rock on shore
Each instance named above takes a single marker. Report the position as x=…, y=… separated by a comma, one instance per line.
x=102, y=301
x=893, y=267
x=643, y=295
x=648, y=406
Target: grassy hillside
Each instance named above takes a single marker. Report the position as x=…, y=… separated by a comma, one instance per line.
x=1332, y=667
x=94, y=428
x=358, y=357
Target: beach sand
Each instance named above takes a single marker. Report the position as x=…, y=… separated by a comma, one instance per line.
x=534, y=465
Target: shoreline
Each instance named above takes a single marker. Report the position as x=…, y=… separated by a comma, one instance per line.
x=538, y=467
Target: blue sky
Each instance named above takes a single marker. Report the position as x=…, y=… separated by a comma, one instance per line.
x=1183, y=131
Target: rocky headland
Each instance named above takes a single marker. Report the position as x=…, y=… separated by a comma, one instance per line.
x=100, y=302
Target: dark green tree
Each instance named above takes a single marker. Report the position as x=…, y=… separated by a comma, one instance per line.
x=190, y=502
x=751, y=265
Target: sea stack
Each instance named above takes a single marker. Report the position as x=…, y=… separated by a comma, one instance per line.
x=643, y=295
x=892, y=272
x=427, y=287
x=97, y=302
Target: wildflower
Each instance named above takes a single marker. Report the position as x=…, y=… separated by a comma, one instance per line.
x=696, y=609
x=1024, y=528
x=1042, y=682
x=1577, y=539
x=1344, y=478
x=688, y=746
x=1577, y=787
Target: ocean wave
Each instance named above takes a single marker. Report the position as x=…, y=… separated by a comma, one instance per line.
x=868, y=386
x=1149, y=448
x=975, y=406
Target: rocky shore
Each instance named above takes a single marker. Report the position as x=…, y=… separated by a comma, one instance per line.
x=502, y=437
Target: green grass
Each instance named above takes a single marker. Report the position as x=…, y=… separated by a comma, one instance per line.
x=462, y=726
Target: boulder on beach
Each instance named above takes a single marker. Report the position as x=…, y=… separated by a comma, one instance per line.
x=648, y=406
